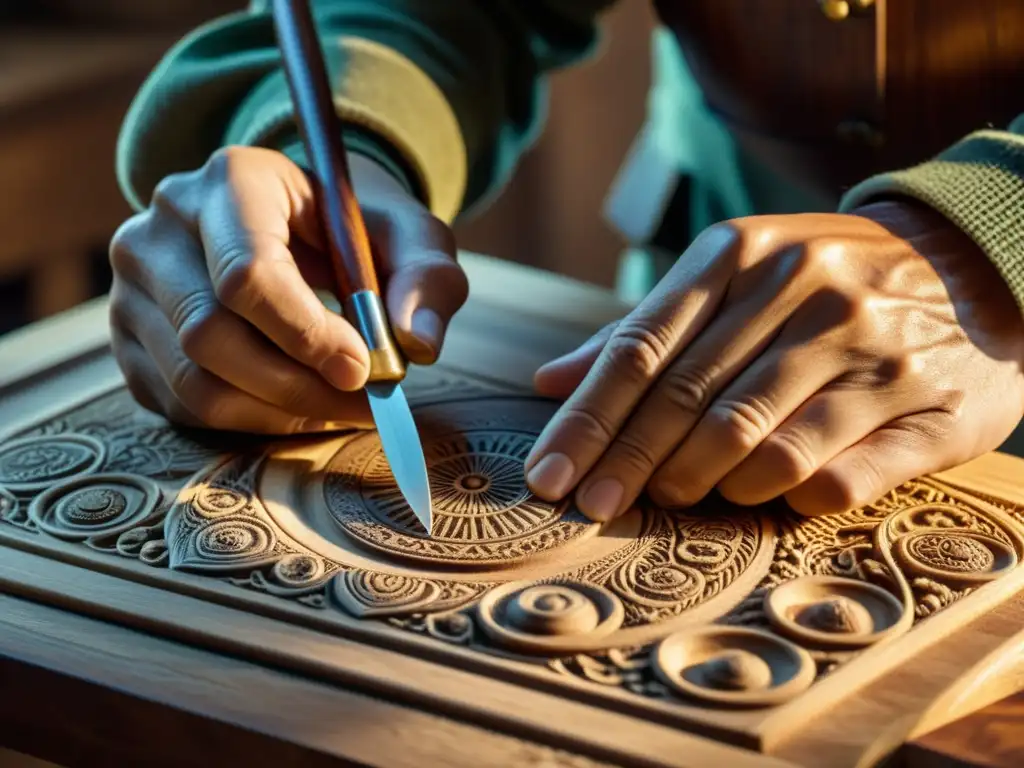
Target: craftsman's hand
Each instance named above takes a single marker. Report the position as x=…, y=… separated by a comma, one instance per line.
x=214, y=316
x=826, y=358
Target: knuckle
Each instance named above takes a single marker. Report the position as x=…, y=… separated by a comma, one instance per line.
x=439, y=233
x=293, y=395
x=194, y=317
x=819, y=257
x=844, y=490
x=790, y=455
x=636, y=351
x=309, y=338
x=169, y=192
x=931, y=428
x=631, y=451
x=236, y=275
x=687, y=388
x=589, y=424
x=221, y=161
x=745, y=423
x=123, y=250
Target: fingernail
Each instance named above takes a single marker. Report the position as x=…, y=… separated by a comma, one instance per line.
x=427, y=327
x=601, y=501
x=343, y=372
x=551, y=478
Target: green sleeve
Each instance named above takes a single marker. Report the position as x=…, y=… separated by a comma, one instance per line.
x=447, y=93
x=978, y=184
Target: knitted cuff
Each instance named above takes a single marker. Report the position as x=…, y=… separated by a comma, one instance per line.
x=397, y=115
x=978, y=184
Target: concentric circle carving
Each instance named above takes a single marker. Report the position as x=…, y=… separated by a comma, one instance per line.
x=960, y=557
x=834, y=612
x=733, y=666
x=94, y=505
x=545, y=618
x=483, y=512
x=233, y=539
x=36, y=463
x=216, y=501
x=298, y=570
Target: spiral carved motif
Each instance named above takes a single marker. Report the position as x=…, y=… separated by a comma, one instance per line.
x=483, y=512
x=234, y=539
x=94, y=505
x=215, y=501
x=36, y=463
x=298, y=570
x=370, y=593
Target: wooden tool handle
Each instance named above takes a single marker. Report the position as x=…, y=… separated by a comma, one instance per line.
x=343, y=224
x=321, y=128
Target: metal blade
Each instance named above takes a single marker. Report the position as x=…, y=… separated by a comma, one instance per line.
x=402, y=447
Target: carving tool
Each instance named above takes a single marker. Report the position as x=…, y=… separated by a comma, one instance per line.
x=350, y=252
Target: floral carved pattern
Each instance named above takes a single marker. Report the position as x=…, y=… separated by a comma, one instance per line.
x=709, y=605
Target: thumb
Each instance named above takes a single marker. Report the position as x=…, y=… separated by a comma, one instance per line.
x=560, y=377
x=425, y=286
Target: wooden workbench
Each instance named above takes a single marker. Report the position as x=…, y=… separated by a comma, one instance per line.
x=112, y=662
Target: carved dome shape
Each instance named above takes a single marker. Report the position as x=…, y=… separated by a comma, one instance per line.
x=483, y=512
x=733, y=666
x=562, y=617
x=36, y=463
x=834, y=612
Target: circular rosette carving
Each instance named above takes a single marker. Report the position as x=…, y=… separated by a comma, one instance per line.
x=367, y=594
x=36, y=463
x=959, y=558
x=733, y=666
x=834, y=612
x=231, y=541
x=483, y=512
x=214, y=501
x=543, y=618
x=94, y=505
x=298, y=570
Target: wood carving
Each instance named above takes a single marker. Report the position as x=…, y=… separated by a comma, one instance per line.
x=689, y=612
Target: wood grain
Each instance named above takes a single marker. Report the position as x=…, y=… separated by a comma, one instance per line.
x=424, y=686
x=78, y=691
x=990, y=738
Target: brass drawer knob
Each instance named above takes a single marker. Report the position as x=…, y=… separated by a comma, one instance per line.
x=837, y=10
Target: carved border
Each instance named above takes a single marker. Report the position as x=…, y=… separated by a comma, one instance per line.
x=288, y=575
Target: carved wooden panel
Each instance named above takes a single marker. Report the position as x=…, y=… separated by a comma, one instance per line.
x=721, y=620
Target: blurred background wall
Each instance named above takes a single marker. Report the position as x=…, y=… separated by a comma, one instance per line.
x=69, y=68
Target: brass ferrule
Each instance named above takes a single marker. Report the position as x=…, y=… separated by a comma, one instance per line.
x=365, y=311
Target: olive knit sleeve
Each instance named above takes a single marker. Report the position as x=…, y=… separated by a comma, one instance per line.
x=446, y=94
